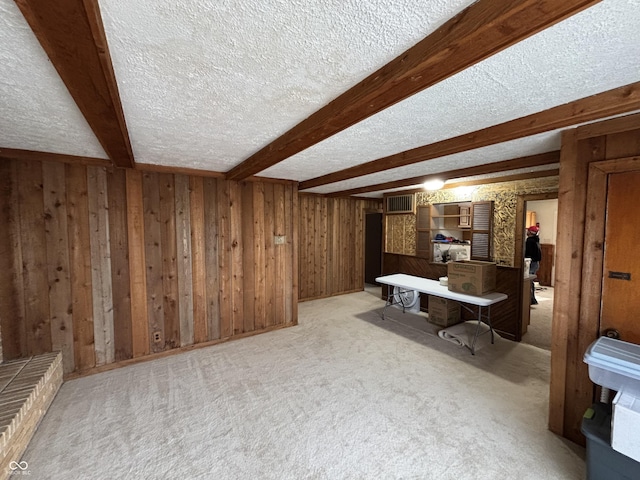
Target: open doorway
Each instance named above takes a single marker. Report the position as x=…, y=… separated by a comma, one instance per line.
x=543, y=214
x=372, y=248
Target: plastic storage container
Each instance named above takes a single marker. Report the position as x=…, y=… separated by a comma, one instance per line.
x=603, y=462
x=614, y=364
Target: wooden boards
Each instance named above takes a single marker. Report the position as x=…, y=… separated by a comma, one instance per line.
x=139, y=263
x=331, y=245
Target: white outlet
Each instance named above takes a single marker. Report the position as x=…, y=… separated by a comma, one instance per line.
x=279, y=239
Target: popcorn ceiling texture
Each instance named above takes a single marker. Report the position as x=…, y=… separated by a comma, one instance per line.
x=593, y=51
x=36, y=109
x=205, y=84
x=401, y=229
x=544, y=142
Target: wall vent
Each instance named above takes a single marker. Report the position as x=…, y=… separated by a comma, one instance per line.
x=400, y=204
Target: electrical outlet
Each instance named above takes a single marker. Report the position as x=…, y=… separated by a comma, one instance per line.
x=279, y=239
x=157, y=337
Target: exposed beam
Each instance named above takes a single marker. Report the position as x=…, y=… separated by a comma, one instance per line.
x=478, y=32
x=72, y=35
x=612, y=102
x=531, y=161
x=608, y=127
x=507, y=178
x=15, y=154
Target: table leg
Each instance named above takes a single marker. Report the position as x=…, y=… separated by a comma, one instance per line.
x=487, y=320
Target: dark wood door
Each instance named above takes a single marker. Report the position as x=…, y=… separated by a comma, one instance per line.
x=546, y=264
x=621, y=282
x=372, y=247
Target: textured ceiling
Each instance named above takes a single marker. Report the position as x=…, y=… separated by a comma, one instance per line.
x=210, y=83
x=36, y=109
x=204, y=83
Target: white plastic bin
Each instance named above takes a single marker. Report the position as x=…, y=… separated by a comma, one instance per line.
x=614, y=364
x=625, y=427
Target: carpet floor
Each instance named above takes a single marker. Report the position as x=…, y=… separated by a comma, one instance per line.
x=343, y=395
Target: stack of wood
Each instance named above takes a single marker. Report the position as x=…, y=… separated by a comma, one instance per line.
x=27, y=388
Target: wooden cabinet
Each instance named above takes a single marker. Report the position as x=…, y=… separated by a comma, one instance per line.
x=464, y=221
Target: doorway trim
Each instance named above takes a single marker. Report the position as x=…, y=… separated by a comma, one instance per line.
x=593, y=255
x=520, y=218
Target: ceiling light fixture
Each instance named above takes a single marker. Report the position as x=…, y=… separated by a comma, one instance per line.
x=434, y=184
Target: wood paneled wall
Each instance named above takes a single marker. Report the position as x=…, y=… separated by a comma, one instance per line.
x=111, y=265
x=576, y=315
x=331, y=245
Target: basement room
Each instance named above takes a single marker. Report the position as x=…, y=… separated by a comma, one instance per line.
x=319, y=240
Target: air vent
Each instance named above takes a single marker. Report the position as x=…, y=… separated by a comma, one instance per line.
x=400, y=204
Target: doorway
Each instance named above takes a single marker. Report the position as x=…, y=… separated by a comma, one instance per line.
x=540, y=210
x=372, y=247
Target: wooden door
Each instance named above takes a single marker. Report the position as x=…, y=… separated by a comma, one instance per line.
x=546, y=264
x=621, y=282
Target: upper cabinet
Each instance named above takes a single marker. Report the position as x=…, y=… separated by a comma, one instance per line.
x=454, y=231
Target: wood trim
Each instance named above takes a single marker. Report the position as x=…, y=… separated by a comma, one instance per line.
x=608, y=127
x=72, y=34
x=150, y=167
x=520, y=219
x=612, y=102
x=17, y=154
x=478, y=32
x=542, y=159
x=627, y=164
x=137, y=263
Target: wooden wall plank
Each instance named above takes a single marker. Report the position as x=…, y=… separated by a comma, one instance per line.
x=320, y=235
x=34, y=258
x=289, y=222
x=153, y=255
x=359, y=241
x=137, y=264
x=280, y=252
x=248, y=260
x=169, y=261
x=270, y=258
x=12, y=315
x=302, y=223
x=212, y=255
x=80, y=263
x=224, y=214
x=198, y=260
x=259, y=256
x=184, y=263
x=295, y=213
x=100, y=265
x=57, y=236
x=237, y=303
x=120, y=274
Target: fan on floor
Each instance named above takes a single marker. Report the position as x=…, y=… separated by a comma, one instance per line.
x=407, y=299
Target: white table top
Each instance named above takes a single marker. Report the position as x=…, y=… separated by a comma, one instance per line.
x=433, y=287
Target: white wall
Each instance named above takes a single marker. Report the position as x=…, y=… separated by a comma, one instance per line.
x=547, y=217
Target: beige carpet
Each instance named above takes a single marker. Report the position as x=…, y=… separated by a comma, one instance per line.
x=344, y=395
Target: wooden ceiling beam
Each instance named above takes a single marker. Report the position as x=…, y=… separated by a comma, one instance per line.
x=478, y=32
x=72, y=34
x=530, y=161
x=16, y=154
x=612, y=102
